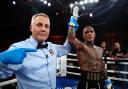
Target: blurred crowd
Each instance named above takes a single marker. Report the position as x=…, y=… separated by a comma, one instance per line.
x=117, y=53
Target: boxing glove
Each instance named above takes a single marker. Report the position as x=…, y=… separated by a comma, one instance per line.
x=108, y=84
x=73, y=23
x=14, y=56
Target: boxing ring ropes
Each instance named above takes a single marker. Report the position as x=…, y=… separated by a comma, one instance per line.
x=62, y=65
x=121, y=61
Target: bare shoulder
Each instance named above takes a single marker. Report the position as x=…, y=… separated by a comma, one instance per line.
x=98, y=48
x=95, y=46
x=79, y=45
x=77, y=42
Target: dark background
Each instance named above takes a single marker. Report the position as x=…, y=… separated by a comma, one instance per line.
x=110, y=20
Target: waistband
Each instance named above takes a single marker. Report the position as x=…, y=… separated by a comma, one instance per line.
x=91, y=76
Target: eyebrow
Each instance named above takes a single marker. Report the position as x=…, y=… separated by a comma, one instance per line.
x=89, y=31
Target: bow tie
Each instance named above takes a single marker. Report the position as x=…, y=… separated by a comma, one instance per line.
x=41, y=45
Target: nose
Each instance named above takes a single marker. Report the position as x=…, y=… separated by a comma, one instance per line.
x=43, y=28
x=89, y=33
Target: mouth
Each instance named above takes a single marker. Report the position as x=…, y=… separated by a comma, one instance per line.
x=42, y=34
x=90, y=37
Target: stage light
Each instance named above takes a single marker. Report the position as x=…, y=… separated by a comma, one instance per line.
x=91, y=1
x=71, y=5
x=45, y=2
x=76, y=2
x=85, y=1
x=96, y=1
x=49, y=4
x=81, y=2
x=41, y=0
x=13, y=2
x=91, y=15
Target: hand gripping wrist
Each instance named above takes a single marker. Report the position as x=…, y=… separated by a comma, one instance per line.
x=73, y=23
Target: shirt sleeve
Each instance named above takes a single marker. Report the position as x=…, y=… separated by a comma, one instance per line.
x=8, y=69
x=5, y=72
x=63, y=49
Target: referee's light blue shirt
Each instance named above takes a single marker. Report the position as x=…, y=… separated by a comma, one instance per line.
x=37, y=71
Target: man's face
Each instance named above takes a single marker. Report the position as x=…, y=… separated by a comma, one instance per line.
x=89, y=34
x=40, y=28
x=117, y=46
x=103, y=45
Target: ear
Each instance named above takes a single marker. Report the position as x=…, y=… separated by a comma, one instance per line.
x=95, y=34
x=30, y=27
x=83, y=36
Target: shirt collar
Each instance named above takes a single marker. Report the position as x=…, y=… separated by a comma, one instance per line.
x=33, y=41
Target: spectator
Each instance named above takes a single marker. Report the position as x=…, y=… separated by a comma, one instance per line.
x=119, y=53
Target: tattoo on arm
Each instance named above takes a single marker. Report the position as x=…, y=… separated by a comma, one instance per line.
x=71, y=34
x=71, y=30
x=72, y=37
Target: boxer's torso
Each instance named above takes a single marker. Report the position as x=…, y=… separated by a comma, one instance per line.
x=90, y=58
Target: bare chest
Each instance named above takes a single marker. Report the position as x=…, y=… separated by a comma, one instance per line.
x=90, y=59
